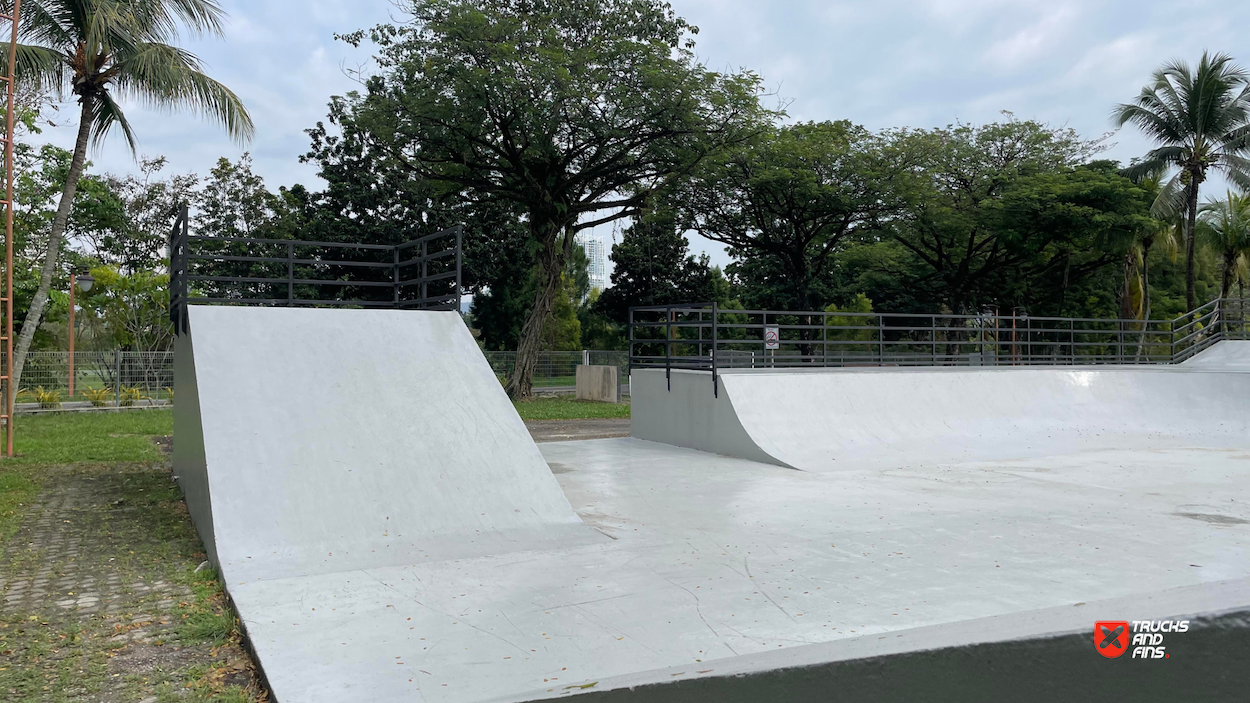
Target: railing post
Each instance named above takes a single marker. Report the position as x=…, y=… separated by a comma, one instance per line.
x=933, y=337
x=880, y=340
x=290, y=273
x=424, y=273
x=1072, y=340
x=715, y=380
x=395, y=278
x=668, y=347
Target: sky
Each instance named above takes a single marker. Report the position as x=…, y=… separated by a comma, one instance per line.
x=880, y=63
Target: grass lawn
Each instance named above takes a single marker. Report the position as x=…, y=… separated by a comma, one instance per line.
x=566, y=408
x=100, y=597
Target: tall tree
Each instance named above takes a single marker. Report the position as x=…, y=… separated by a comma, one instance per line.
x=93, y=48
x=652, y=265
x=1224, y=226
x=573, y=110
x=1200, y=120
x=948, y=224
x=795, y=196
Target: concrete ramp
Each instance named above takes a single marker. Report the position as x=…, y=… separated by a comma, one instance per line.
x=838, y=419
x=316, y=441
x=1227, y=355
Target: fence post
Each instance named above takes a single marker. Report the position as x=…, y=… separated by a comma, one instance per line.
x=290, y=273
x=117, y=377
x=395, y=278
x=715, y=380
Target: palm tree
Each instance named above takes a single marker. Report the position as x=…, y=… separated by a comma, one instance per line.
x=99, y=49
x=1200, y=120
x=1224, y=225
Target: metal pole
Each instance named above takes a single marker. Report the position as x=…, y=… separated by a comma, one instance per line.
x=715, y=381
x=290, y=273
x=424, y=285
x=395, y=278
x=73, y=282
x=10, y=393
x=117, y=377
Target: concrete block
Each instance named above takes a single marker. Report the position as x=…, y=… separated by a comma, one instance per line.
x=601, y=383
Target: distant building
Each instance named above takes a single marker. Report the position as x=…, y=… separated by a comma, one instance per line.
x=597, y=252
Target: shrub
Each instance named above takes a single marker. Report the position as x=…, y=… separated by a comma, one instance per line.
x=48, y=399
x=131, y=395
x=99, y=397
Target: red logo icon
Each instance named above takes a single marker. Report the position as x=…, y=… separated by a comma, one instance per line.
x=1111, y=637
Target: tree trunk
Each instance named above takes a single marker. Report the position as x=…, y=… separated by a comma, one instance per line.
x=551, y=267
x=1191, y=222
x=37, y=304
x=1145, y=298
x=1226, y=282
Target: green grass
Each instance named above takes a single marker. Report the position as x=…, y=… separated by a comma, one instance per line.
x=66, y=438
x=70, y=438
x=564, y=408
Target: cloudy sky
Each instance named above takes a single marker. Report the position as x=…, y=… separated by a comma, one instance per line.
x=881, y=63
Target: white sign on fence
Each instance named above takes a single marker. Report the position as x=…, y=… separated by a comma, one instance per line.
x=772, y=338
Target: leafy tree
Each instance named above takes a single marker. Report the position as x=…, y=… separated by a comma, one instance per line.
x=1200, y=120
x=573, y=111
x=1057, y=228
x=793, y=199
x=139, y=234
x=1224, y=226
x=92, y=48
x=652, y=265
x=949, y=222
x=134, y=308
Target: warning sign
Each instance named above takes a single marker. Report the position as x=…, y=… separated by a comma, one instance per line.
x=772, y=338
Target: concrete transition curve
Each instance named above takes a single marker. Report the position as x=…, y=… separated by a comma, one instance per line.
x=854, y=418
x=324, y=440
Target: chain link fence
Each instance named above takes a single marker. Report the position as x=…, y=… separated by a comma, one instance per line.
x=101, y=378
x=134, y=378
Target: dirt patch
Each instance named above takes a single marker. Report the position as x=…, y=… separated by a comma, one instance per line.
x=569, y=430
x=166, y=444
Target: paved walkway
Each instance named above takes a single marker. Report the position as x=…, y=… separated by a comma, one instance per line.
x=99, y=600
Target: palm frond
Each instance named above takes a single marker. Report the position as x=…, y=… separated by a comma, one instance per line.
x=168, y=77
x=1170, y=201
x=107, y=114
x=37, y=66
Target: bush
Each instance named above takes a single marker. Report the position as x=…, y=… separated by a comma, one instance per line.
x=131, y=395
x=48, y=399
x=99, y=397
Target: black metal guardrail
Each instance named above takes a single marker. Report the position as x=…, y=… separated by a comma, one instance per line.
x=705, y=337
x=423, y=274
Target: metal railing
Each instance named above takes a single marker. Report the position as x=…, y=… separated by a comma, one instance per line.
x=424, y=273
x=702, y=336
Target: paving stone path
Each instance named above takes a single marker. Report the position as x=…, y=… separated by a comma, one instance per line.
x=99, y=600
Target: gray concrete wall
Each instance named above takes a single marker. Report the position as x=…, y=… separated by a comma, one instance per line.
x=598, y=383
x=687, y=413
x=190, y=462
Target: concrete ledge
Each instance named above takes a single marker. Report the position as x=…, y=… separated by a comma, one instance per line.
x=599, y=383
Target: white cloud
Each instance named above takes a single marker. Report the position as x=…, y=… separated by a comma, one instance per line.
x=882, y=63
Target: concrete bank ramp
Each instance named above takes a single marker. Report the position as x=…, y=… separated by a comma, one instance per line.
x=316, y=441
x=1227, y=355
x=836, y=419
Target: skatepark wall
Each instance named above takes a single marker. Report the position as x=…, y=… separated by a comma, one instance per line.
x=834, y=419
